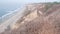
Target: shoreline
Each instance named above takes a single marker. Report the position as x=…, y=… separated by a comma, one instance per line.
x=11, y=21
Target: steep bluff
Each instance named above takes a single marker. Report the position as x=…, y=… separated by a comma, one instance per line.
x=40, y=19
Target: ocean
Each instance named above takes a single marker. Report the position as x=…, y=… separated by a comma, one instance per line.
x=8, y=9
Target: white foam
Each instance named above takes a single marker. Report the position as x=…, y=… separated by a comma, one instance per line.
x=12, y=20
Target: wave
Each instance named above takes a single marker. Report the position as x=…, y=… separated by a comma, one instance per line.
x=9, y=15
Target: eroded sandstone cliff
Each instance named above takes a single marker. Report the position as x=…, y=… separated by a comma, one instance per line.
x=40, y=19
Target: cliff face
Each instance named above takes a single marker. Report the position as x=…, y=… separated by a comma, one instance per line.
x=39, y=19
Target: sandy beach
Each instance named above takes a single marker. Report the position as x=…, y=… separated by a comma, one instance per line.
x=11, y=20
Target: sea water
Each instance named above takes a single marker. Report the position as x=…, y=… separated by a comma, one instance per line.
x=7, y=10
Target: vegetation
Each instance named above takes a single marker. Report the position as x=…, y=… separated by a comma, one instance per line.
x=50, y=4
x=56, y=3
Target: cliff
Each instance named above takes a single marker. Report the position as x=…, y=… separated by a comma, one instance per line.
x=38, y=19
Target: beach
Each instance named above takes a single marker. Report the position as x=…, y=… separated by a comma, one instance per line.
x=12, y=20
